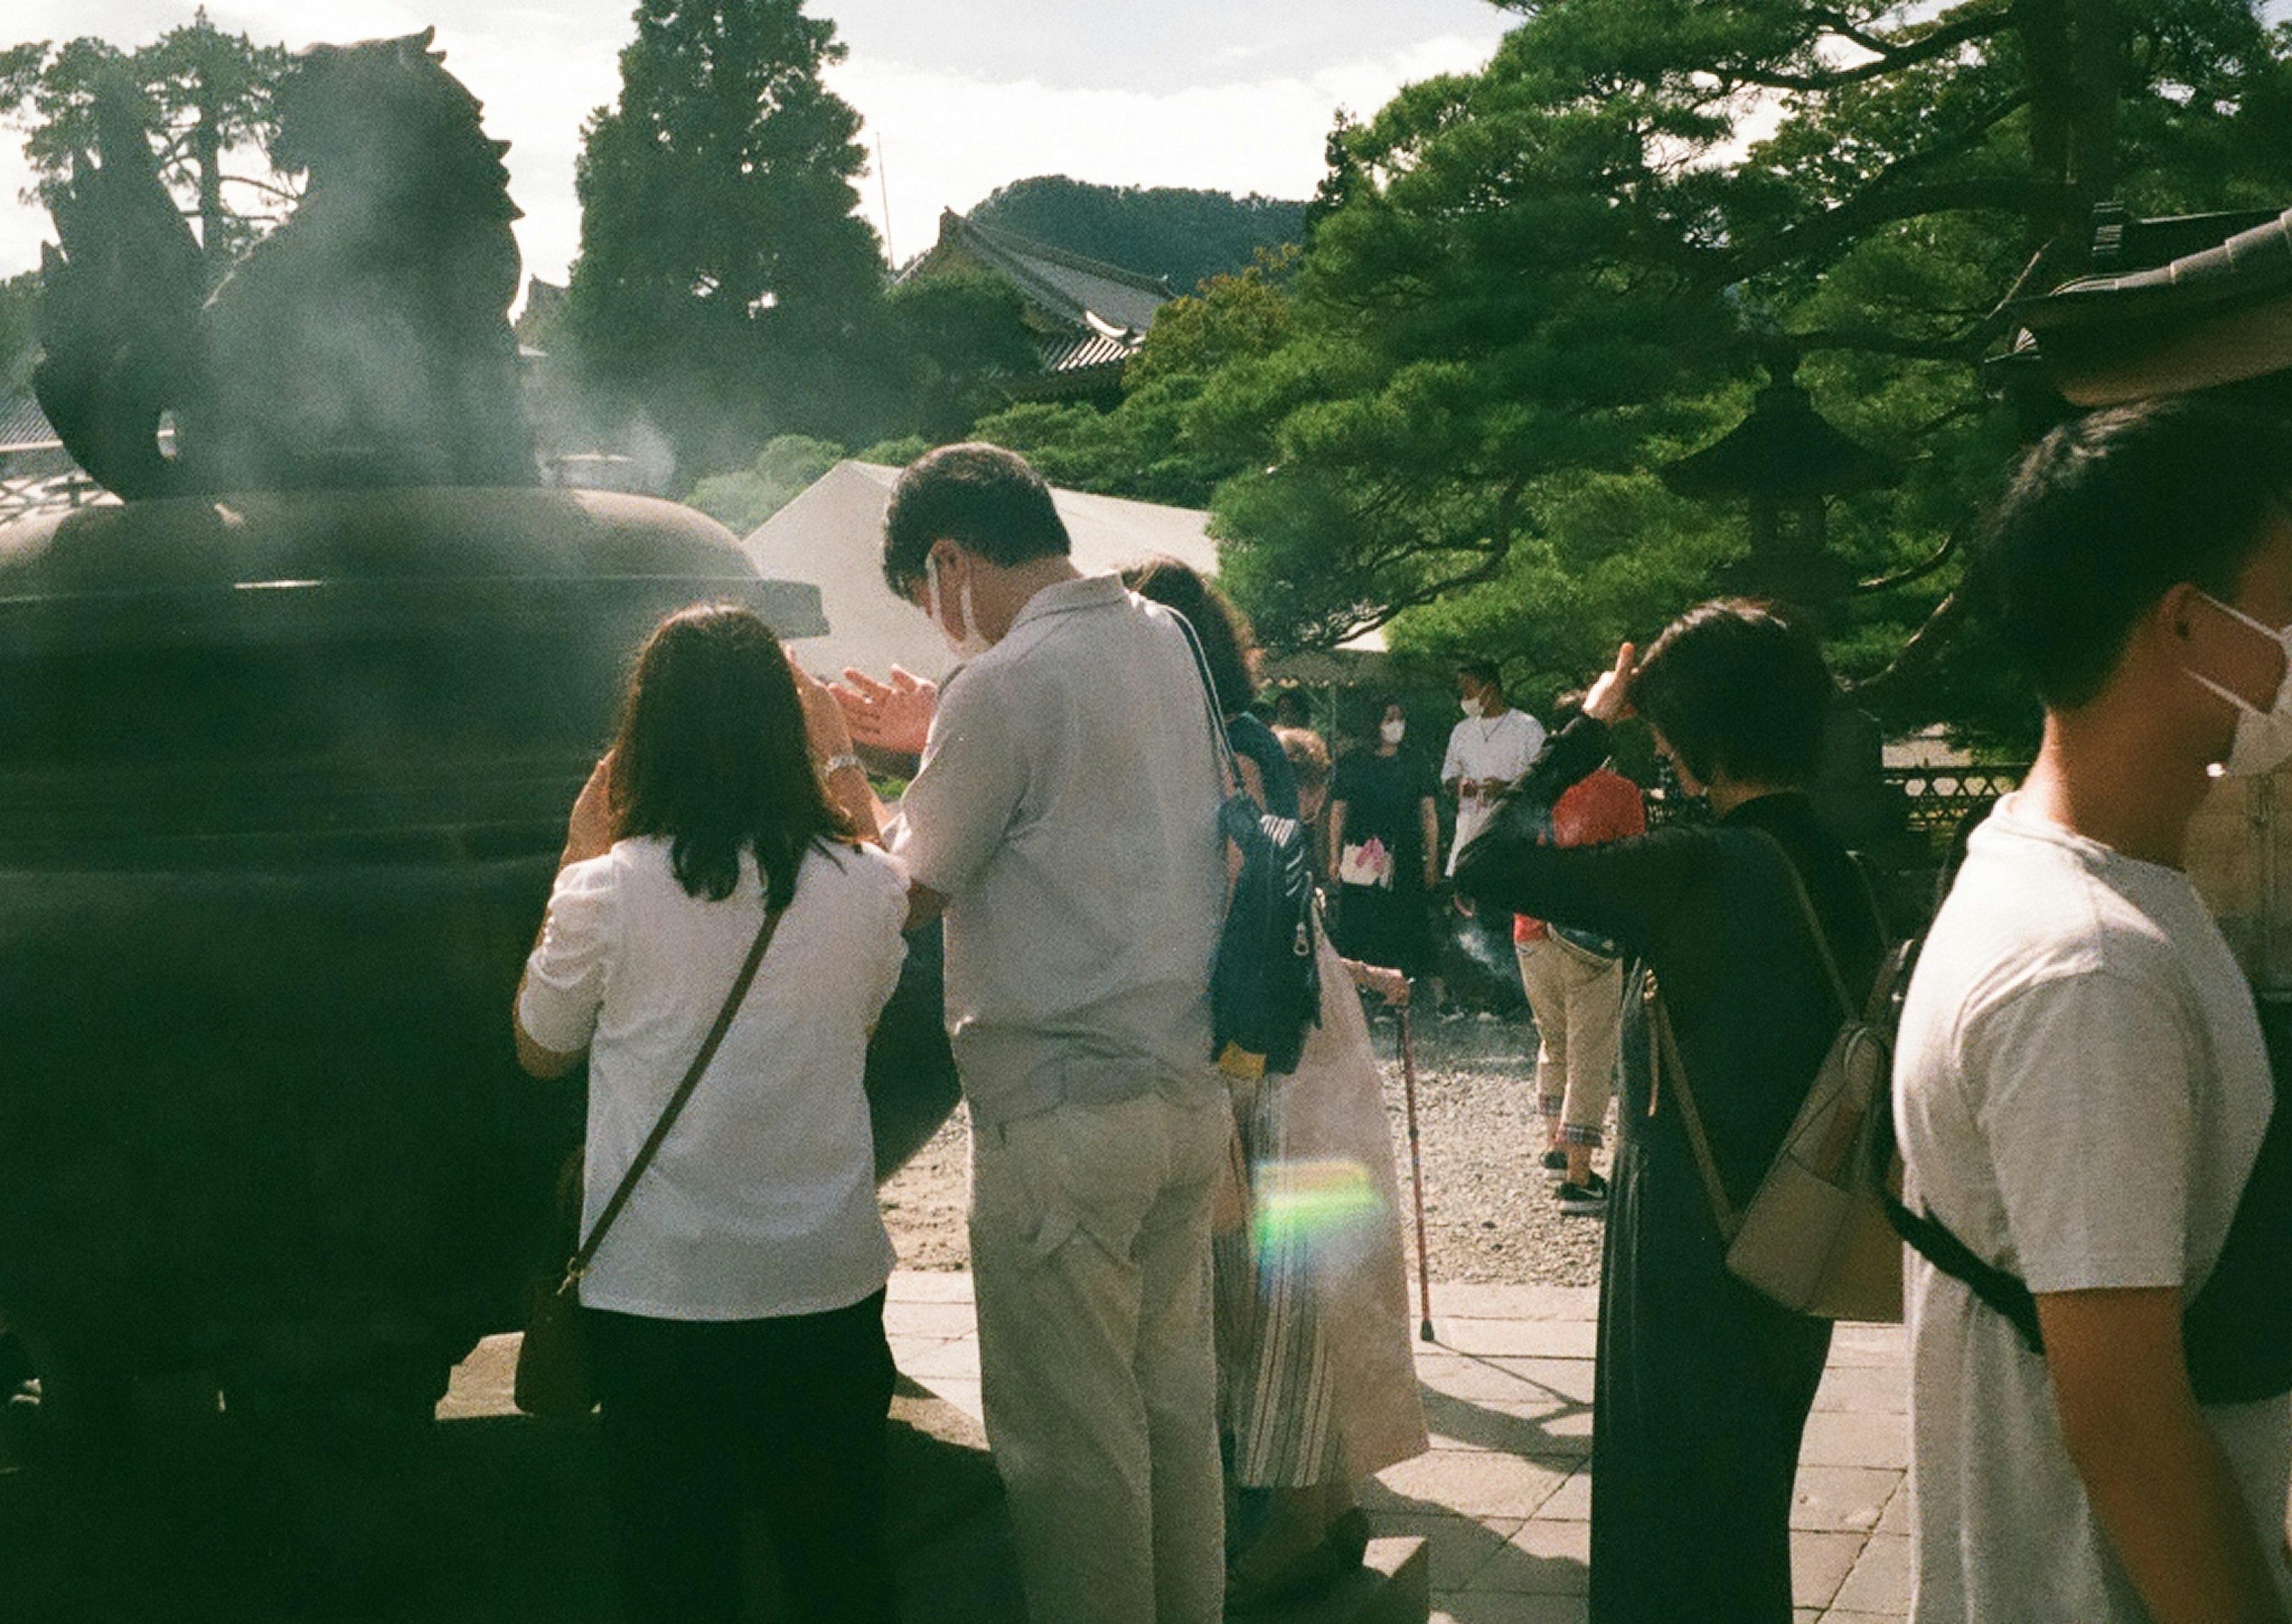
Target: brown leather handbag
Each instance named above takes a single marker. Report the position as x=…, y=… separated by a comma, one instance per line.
x=553, y=1361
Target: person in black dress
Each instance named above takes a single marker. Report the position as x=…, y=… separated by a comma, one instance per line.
x=1385, y=832
x=1702, y=1386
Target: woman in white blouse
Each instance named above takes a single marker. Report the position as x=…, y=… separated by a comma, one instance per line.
x=735, y=1304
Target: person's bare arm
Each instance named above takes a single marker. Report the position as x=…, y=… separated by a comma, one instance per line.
x=828, y=727
x=2159, y=1484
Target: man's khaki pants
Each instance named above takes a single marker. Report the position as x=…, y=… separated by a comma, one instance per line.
x=1090, y=1256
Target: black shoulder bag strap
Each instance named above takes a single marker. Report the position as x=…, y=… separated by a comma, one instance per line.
x=578, y=1265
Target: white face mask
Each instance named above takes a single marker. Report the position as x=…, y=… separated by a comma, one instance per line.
x=1392, y=733
x=1472, y=707
x=970, y=644
x=2263, y=737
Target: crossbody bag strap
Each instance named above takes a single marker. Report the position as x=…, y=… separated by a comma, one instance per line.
x=578, y=1265
x=1675, y=1065
x=1226, y=762
x=1846, y=1005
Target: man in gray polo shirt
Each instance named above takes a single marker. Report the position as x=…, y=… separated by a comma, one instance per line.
x=1065, y=818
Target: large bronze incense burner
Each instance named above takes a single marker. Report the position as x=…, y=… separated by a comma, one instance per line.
x=287, y=741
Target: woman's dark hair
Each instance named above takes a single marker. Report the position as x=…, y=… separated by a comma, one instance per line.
x=712, y=753
x=1735, y=687
x=2109, y=513
x=1223, y=629
x=985, y=499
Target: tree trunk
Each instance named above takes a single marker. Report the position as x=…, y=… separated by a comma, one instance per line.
x=207, y=160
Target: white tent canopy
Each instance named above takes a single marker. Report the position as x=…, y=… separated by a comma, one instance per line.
x=832, y=536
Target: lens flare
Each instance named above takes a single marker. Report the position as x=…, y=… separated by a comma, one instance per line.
x=1312, y=1202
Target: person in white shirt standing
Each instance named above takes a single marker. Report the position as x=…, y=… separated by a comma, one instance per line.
x=1065, y=818
x=1488, y=750
x=735, y=1308
x=2081, y=1081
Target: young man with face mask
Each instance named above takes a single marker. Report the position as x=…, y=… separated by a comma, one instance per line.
x=2081, y=1081
x=1065, y=818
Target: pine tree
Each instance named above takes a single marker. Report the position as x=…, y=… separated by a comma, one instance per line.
x=726, y=283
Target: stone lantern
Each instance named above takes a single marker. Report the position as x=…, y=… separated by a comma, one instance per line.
x=1787, y=462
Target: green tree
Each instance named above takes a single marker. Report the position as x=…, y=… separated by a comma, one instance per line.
x=1528, y=288
x=205, y=93
x=726, y=283
x=782, y=470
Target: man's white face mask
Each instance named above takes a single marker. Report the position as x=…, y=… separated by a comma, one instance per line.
x=2263, y=737
x=970, y=644
x=1393, y=731
x=1471, y=705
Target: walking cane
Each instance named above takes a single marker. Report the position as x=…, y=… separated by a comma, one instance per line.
x=1416, y=1178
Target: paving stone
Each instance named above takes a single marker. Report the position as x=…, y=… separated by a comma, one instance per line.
x=929, y=1318
x=1897, y=1520
x=1524, y=1338
x=481, y=1384
x=1469, y=1376
x=1477, y=1482
x=1820, y=1564
x=1839, y=1615
x=1543, y=1558
x=1570, y=1377
x=1506, y=1607
x=1856, y=1345
x=1881, y=1578
x=1536, y=1427
x=929, y=1286
x=1842, y=1500
x=1457, y=1546
x=1869, y=1389
x=1845, y=1439
x=1571, y=1502
x=952, y=1356
x=1477, y=1302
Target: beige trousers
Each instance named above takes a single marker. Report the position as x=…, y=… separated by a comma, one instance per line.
x=1090, y=1256
x=1578, y=1000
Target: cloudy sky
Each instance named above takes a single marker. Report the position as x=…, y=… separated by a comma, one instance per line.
x=963, y=96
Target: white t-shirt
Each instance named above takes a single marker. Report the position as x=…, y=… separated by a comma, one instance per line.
x=2081, y=1088
x=1493, y=750
x=762, y=1202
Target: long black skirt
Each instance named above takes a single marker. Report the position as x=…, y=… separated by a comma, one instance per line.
x=1700, y=1396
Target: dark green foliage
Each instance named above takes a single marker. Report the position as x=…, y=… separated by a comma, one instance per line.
x=206, y=93
x=726, y=284
x=1529, y=289
x=1184, y=235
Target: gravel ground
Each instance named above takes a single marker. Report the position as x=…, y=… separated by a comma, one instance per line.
x=1489, y=1213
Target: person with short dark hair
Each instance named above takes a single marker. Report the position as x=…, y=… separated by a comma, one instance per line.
x=735, y=1308
x=1065, y=817
x=1702, y=1385
x=2082, y=1085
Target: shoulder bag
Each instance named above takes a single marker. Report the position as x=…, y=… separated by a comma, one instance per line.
x=553, y=1361
x=1817, y=1238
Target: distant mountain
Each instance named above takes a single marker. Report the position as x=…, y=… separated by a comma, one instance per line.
x=1172, y=231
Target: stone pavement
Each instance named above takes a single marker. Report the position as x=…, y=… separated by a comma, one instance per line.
x=1502, y=1497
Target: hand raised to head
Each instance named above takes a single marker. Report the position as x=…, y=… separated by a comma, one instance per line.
x=824, y=723
x=589, y=831
x=1609, y=697
x=894, y=716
